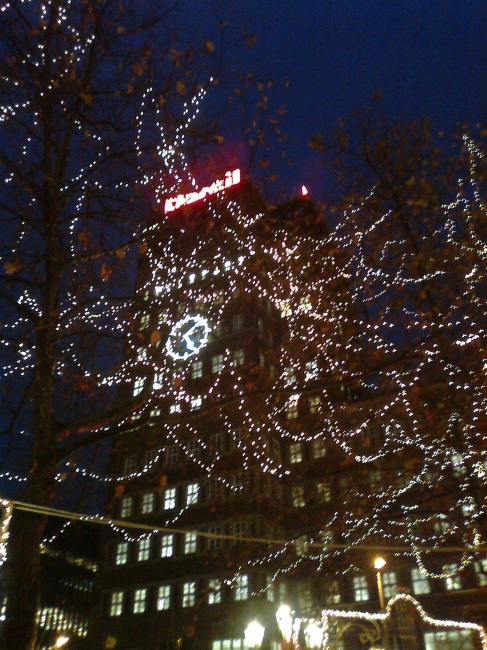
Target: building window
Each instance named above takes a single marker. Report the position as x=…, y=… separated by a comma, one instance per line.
x=140, y=599
x=144, y=550
x=298, y=497
x=138, y=385
x=318, y=448
x=295, y=452
x=175, y=408
x=239, y=529
x=239, y=484
x=292, y=407
x=215, y=543
x=126, y=507
x=217, y=442
x=360, y=589
x=172, y=455
x=193, y=448
x=122, y=553
x=389, y=583
x=420, y=582
x=270, y=591
x=189, y=594
x=454, y=581
x=164, y=597
x=289, y=376
x=116, y=603
x=323, y=492
x=217, y=363
x=237, y=438
x=214, y=490
x=333, y=596
x=449, y=639
x=130, y=465
x=481, y=571
x=314, y=403
x=192, y=493
x=241, y=587
x=311, y=370
x=196, y=403
x=148, y=503
x=214, y=592
x=237, y=322
x=151, y=457
x=169, y=498
x=197, y=370
x=239, y=357
x=167, y=545
x=190, y=542
x=158, y=381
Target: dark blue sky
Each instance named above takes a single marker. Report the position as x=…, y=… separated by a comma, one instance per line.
x=428, y=57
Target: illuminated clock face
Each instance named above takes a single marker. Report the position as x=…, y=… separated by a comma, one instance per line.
x=188, y=337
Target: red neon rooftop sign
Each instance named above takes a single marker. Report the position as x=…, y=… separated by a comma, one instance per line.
x=231, y=178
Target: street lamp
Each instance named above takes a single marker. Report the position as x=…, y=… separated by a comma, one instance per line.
x=313, y=634
x=254, y=633
x=285, y=622
x=60, y=642
x=379, y=564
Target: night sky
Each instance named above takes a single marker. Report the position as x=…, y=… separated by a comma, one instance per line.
x=428, y=57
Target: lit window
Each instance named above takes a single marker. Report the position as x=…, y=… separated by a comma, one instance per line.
x=289, y=376
x=323, y=492
x=333, y=596
x=420, y=582
x=314, y=403
x=191, y=278
x=138, y=385
x=169, y=498
x=144, y=550
x=217, y=331
x=122, y=553
x=215, y=543
x=219, y=297
x=481, y=571
x=389, y=583
x=175, y=408
x=158, y=381
x=189, y=594
x=214, y=489
x=126, y=507
x=239, y=357
x=295, y=452
x=144, y=321
x=217, y=363
x=164, y=597
x=318, y=448
x=130, y=464
x=190, y=542
x=196, y=403
x=241, y=587
x=360, y=589
x=140, y=599
x=449, y=639
x=298, y=497
x=237, y=322
x=192, y=493
x=172, y=455
x=167, y=546
x=261, y=360
x=148, y=502
x=292, y=407
x=311, y=370
x=454, y=581
x=197, y=370
x=116, y=603
x=214, y=592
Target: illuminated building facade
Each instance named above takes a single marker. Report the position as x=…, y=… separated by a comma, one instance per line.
x=227, y=465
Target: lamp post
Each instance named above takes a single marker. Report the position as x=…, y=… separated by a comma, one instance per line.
x=379, y=564
x=60, y=642
x=285, y=625
x=254, y=633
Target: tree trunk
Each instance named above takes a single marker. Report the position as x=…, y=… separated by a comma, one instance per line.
x=23, y=580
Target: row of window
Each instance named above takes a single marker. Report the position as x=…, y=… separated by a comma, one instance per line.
x=185, y=543
x=165, y=596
